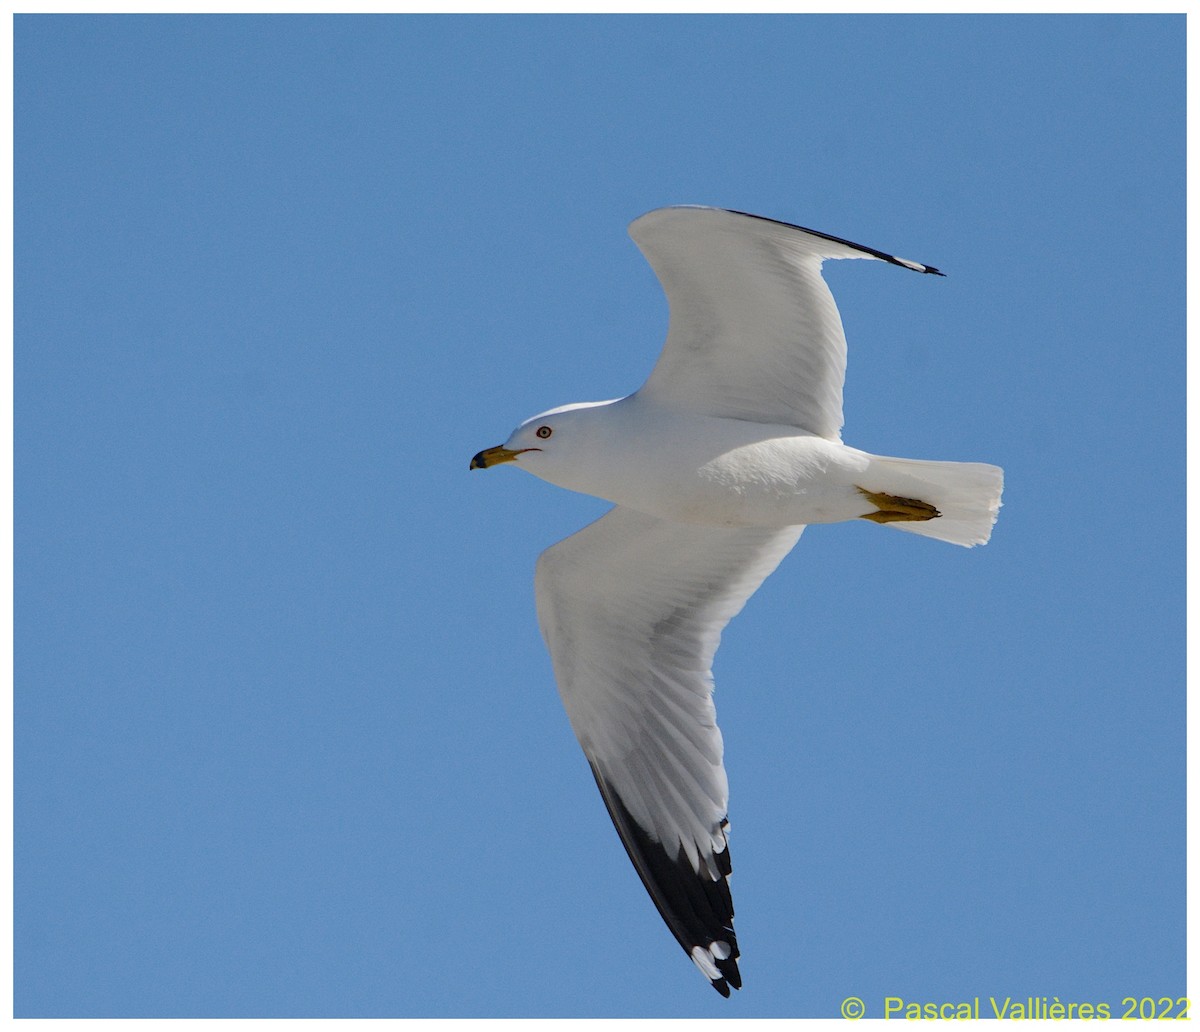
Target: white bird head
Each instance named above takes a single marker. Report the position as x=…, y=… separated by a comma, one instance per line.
x=553, y=439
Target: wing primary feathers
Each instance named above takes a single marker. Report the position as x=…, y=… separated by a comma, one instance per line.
x=902, y=262
x=697, y=909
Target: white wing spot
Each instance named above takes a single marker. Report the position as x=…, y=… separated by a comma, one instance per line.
x=703, y=959
x=720, y=949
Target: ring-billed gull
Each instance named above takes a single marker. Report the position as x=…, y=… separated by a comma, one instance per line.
x=716, y=465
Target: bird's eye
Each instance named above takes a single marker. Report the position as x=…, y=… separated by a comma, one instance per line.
x=543, y=432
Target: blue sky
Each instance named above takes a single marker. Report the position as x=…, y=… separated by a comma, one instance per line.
x=287, y=741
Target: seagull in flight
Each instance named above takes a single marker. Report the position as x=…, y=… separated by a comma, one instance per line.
x=715, y=466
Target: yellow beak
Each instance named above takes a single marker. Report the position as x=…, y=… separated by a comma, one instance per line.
x=495, y=456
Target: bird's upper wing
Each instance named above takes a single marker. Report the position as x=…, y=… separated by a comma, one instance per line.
x=754, y=331
x=632, y=608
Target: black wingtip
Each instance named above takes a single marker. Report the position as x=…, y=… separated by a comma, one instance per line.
x=697, y=909
x=904, y=263
x=732, y=977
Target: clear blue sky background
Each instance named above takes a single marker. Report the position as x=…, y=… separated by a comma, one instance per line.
x=287, y=740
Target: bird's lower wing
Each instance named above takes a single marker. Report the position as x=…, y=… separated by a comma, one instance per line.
x=632, y=608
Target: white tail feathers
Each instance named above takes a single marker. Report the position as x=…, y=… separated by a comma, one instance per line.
x=967, y=494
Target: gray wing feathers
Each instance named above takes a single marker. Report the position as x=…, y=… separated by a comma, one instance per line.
x=632, y=609
x=754, y=331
